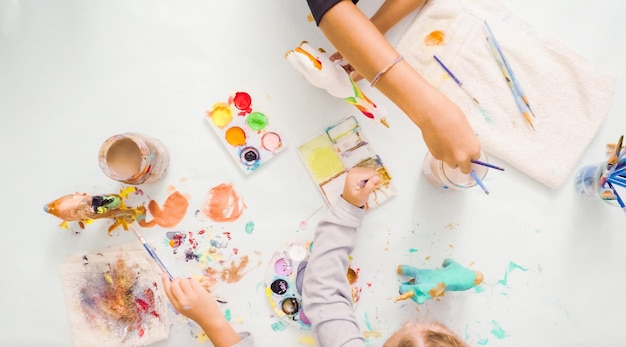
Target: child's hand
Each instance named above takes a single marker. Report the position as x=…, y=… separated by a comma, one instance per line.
x=360, y=182
x=448, y=135
x=191, y=299
x=337, y=57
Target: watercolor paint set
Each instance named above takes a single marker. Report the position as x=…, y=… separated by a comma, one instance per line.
x=342, y=146
x=284, y=281
x=244, y=132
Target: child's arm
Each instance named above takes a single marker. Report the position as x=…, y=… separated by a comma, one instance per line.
x=326, y=295
x=392, y=11
x=445, y=129
x=193, y=301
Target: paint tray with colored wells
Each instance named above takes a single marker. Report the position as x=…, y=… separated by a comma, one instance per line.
x=342, y=146
x=244, y=132
x=284, y=282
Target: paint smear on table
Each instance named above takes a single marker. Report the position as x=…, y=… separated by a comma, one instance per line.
x=497, y=330
x=223, y=204
x=227, y=315
x=483, y=342
x=435, y=38
x=229, y=271
x=307, y=340
x=479, y=289
x=249, y=227
x=173, y=211
x=370, y=332
x=512, y=266
x=279, y=326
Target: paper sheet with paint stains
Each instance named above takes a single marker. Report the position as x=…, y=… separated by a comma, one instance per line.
x=114, y=297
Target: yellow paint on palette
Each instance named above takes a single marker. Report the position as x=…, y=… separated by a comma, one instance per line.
x=321, y=159
x=268, y=293
x=221, y=114
x=324, y=163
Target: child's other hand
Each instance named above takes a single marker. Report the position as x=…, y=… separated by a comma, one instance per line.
x=338, y=58
x=360, y=182
x=190, y=298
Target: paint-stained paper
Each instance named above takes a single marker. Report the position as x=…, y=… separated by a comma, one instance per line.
x=114, y=297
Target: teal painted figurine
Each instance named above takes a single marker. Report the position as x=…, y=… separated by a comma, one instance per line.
x=433, y=283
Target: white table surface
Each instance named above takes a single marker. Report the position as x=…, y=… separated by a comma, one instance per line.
x=73, y=73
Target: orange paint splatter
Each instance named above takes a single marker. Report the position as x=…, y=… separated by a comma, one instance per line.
x=228, y=272
x=435, y=38
x=170, y=215
x=223, y=204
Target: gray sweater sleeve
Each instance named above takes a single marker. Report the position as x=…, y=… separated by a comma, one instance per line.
x=327, y=296
x=246, y=340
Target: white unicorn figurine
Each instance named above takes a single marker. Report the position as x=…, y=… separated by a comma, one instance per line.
x=321, y=72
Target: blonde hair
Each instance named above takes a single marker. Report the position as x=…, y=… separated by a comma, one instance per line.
x=441, y=339
x=432, y=334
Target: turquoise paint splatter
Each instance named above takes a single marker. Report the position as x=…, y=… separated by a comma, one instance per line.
x=227, y=315
x=512, y=266
x=466, y=337
x=482, y=342
x=412, y=250
x=279, y=326
x=497, y=330
x=367, y=322
x=485, y=115
x=249, y=227
x=479, y=288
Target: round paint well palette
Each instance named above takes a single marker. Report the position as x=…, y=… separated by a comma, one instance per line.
x=244, y=132
x=284, y=281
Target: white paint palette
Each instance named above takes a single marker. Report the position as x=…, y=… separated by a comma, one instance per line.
x=244, y=132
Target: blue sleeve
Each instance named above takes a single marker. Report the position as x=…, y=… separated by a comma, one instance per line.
x=320, y=7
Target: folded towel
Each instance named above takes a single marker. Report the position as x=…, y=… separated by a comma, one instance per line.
x=568, y=94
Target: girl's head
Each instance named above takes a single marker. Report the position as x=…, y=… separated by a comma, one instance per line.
x=413, y=334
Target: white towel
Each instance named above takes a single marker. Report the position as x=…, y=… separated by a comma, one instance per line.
x=569, y=95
